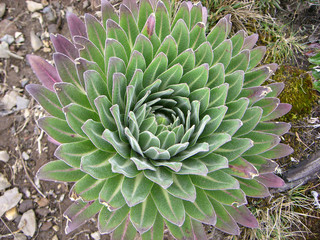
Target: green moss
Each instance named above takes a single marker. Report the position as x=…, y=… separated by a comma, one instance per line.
x=298, y=92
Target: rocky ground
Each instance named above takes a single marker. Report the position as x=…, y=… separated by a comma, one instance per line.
x=30, y=209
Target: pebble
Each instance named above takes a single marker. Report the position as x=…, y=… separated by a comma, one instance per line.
x=2, y=9
x=4, y=156
x=36, y=43
x=22, y=103
x=55, y=237
x=9, y=199
x=56, y=228
x=42, y=211
x=19, y=236
x=7, y=38
x=11, y=214
x=52, y=28
x=46, y=226
x=34, y=6
x=26, y=205
x=3, y=182
x=28, y=223
x=25, y=156
x=19, y=37
x=50, y=14
x=43, y=202
x=96, y=235
x=10, y=100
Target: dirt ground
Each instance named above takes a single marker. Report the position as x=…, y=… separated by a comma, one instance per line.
x=27, y=147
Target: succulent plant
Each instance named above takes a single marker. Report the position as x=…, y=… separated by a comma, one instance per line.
x=158, y=123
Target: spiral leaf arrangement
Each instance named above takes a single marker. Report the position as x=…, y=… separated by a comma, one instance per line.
x=158, y=123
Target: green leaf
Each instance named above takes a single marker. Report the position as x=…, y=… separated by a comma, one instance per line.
x=76, y=116
x=203, y=96
x=220, y=32
x=196, y=14
x=217, y=180
x=183, y=14
x=125, y=231
x=237, y=42
x=137, y=61
x=196, y=78
x=201, y=209
x=193, y=166
x=115, y=32
x=242, y=168
x=128, y=23
x=110, y=220
x=119, y=90
x=97, y=164
x=216, y=75
x=145, y=9
x=243, y=216
x=197, y=35
x=277, y=128
x=171, y=76
x=256, y=76
x=222, y=53
x=71, y=153
x=149, y=31
x=79, y=212
x=234, y=148
x=143, y=215
x=156, y=67
x=94, y=131
x=214, y=162
x=239, y=62
x=59, y=130
x=235, y=81
x=262, y=142
x=225, y=222
x=123, y=166
x=162, y=21
x=181, y=34
x=115, y=66
x=156, y=153
x=230, y=126
x=95, y=86
x=204, y=54
x=47, y=99
x=229, y=197
x=142, y=163
x=144, y=46
x=262, y=164
x=182, y=188
x=67, y=69
x=256, y=55
x=110, y=194
x=68, y=93
x=103, y=105
x=108, y=12
x=253, y=188
x=59, y=171
x=87, y=188
x=250, y=120
x=237, y=108
x=171, y=208
x=186, y=59
x=156, y=231
x=113, y=48
x=216, y=116
x=279, y=151
x=169, y=48
x=83, y=65
x=161, y=176
x=136, y=190
x=95, y=30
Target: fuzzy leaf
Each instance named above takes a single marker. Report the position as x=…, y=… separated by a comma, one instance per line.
x=222, y=53
x=123, y=166
x=162, y=21
x=156, y=231
x=182, y=188
x=110, y=220
x=181, y=34
x=204, y=54
x=145, y=9
x=237, y=42
x=64, y=46
x=128, y=23
x=243, y=216
x=229, y=197
x=86, y=189
x=239, y=62
x=220, y=32
x=169, y=48
x=157, y=66
x=197, y=35
x=95, y=30
x=161, y=176
x=108, y=12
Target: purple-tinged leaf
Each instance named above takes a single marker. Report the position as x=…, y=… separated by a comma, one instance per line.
x=268, y=105
x=132, y=5
x=59, y=171
x=79, y=212
x=76, y=26
x=67, y=69
x=156, y=231
x=108, y=12
x=96, y=32
x=204, y=15
x=282, y=109
x=109, y=220
x=59, y=130
x=63, y=45
x=276, y=89
x=125, y=231
x=220, y=32
x=253, y=188
x=145, y=9
x=195, y=15
x=229, y=197
x=250, y=42
x=45, y=72
x=55, y=142
x=149, y=31
x=241, y=168
x=243, y=216
x=47, y=99
x=270, y=180
x=83, y=65
x=254, y=94
x=263, y=165
x=225, y=222
x=281, y=150
x=273, y=67
x=278, y=128
x=256, y=77
x=256, y=56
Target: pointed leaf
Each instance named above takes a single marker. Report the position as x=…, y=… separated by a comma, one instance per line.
x=86, y=189
x=123, y=166
x=220, y=32
x=222, y=53
x=243, y=216
x=110, y=220
x=229, y=197
x=186, y=59
x=181, y=34
x=128, y=23
x=197, y=35
x=95, y=30
x=76, y=26
x=161, y=176
x=162, y=21
x=253, y=188
x=157, y=66
x=204, y=54
x=64, y=46
x=169, y=48
x=108, y=12
x=234, y=148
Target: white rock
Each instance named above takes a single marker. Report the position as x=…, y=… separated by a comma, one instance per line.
x=7, y=38
x=22, y=103
x=28, y=223
x=2, y=9
x=10, y=100
x=95, y=235
x=19, y=236
x=12, y=214
x=55, y=237
x=36, y=43
x=3, y=182
x=25, y=156
x=4, y=156
x=34, y=6
x=9, y=200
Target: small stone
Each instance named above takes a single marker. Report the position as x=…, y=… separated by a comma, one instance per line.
x=24, y=82
x=46, y=49
x=4, y=156
x=49, y=14
x=86, y=4
x=9, y=199
x=34, y=6
x=25, y=156
x=7, y=38
x=2, y=9
x=3, y=182
x=11, y=214
x=46, y=226
x=95, y=235
x=43, y=202
x=19, y=236
x=26, y=205
x=53, y=28
x=36, y=43
x=10, y=100
x=55, y=237
x=56, y=228
x=28, y=223
x=22, y=103
x=19, y=37
x=44, y=2
x=42, y=211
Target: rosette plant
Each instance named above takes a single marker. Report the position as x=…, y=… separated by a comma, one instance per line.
x=158, y=123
